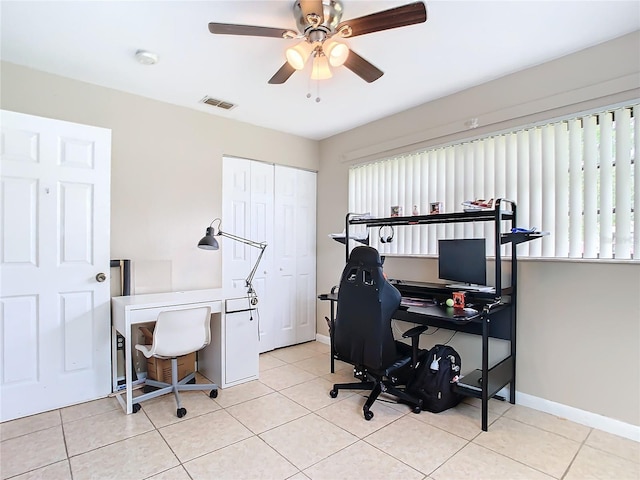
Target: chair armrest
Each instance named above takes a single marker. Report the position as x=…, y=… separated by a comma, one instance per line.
x=415, y=331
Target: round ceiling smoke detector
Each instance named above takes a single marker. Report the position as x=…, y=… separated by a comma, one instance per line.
x=146, y=58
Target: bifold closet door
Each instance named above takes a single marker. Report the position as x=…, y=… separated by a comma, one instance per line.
x=276, y=204
x=247, y=209
x=295, y=255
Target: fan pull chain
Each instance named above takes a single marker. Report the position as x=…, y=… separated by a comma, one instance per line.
x=318, y=91
x=318, y=99
x=309, y=87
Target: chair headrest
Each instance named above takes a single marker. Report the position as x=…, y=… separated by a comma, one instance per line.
x=365, y=255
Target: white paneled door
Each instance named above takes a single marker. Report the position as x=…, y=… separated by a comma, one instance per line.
x=55, y=334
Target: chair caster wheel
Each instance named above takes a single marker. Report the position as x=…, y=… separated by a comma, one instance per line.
x=213, y=394
x=368, y=415
x=333, y=393
x=136, y=407
x=417, y=409
x=181, y=412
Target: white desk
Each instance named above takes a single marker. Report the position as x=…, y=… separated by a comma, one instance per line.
x=136, y=309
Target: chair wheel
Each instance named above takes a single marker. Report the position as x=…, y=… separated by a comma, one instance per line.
x=181, y=412
x=417, y=409
x=213, y=394
x=333, y=393
x=136, y=407
x=368, y=415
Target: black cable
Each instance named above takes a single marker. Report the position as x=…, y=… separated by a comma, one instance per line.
x=450, y=338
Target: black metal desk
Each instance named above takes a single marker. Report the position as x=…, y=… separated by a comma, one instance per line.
x=494, y=320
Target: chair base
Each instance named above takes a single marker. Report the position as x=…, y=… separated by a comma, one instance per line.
x=175, y=386
x=377, y=386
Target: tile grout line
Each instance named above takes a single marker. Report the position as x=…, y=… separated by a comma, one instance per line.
x=573, y=459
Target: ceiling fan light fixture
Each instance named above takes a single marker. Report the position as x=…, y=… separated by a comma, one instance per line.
x=321, y=69
x=336, y=52
x=297, y=56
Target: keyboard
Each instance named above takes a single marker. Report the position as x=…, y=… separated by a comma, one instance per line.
x=471, y=288
x=417, y=302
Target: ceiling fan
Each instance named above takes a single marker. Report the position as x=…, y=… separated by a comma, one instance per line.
x=320, y=31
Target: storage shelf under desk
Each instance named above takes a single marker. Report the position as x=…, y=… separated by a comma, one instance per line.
x=498, y=377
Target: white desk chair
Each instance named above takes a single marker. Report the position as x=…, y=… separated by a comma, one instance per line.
x=177, y=333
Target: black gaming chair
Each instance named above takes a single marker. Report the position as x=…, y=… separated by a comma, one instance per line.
x=362, y=332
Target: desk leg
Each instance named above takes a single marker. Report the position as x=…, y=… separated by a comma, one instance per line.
x=128, y=371
x=114, y=360
x=485, y=372
x=332, y=329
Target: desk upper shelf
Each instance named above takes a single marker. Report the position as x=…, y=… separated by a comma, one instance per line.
x=486, y=215
x=454, y=217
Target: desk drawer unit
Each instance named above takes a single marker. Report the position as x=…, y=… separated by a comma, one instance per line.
x=234, y=360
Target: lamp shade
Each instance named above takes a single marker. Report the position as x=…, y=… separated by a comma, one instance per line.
x=209, y=242
x=321, y=70
x=297, y=56
x=336, y=52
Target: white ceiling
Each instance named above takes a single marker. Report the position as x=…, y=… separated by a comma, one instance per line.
x=462, y=44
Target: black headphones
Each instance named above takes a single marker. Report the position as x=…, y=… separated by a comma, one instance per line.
x=388, y=239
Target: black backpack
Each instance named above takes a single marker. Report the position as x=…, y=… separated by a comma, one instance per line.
x=435, y=377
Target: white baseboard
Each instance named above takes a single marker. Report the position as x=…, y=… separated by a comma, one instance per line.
x=582, y=417
x=573, y=414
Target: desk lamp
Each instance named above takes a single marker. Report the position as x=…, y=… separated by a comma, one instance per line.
x=209, y=242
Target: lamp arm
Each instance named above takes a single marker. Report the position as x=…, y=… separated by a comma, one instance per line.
x=248, y=281
x=246, y=241
x=249, y=278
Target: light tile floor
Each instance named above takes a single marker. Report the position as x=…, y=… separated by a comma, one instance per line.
x=286, y=426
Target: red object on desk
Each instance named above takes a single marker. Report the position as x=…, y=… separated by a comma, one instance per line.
x=458, y=300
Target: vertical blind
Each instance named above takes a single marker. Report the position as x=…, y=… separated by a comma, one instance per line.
x=576, y=178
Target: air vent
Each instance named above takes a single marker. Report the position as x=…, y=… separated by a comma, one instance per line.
x=218, y=103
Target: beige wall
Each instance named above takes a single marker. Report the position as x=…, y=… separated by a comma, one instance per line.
x=578, y=322
x=166, y=170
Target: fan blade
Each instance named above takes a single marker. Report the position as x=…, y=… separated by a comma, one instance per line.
x=363, y=68
x=251, y=30
x=396, y=17
x=310, y=7
x=282, y=75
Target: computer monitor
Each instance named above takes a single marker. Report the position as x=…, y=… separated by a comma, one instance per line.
x=463, y=260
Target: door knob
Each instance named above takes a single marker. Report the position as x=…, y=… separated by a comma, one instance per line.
x=101, y=277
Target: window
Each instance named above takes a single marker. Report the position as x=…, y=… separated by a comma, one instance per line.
x=576, y=178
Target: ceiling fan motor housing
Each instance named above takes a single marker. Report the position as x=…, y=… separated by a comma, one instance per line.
x=331, y=14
